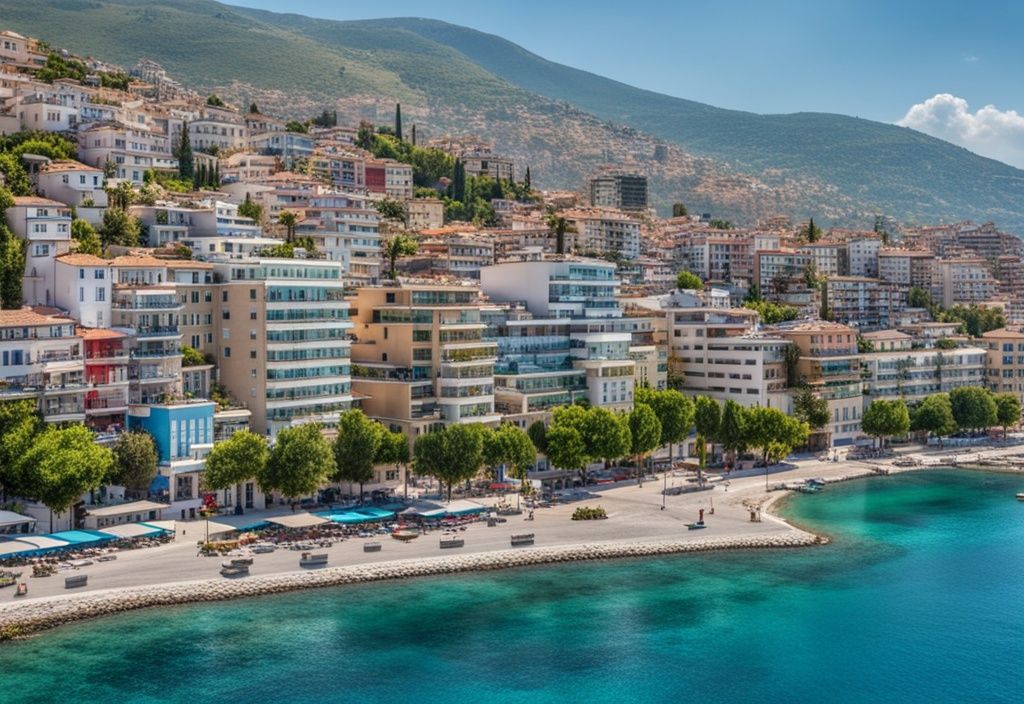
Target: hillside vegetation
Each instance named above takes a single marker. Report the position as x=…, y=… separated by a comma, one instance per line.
x=562, y=121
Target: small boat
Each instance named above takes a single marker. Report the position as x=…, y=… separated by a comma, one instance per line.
x=696, y=525
x=311, y=560
x=1020, y=496
x=231, y=570
x=22, y=590
x=405, y=535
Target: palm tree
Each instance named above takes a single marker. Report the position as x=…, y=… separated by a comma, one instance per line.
x=288, y=219
x=559, y=225
x=398, y=246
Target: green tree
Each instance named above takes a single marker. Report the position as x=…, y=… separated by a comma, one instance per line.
x=191, y=357
x=732, y=430
x=250, y=209
x=13, y=174
x=810, y=408
x=395, y=247
x=935, y=415
x=688, y=281
x=707, y=415
x=772, y=313
x=674, y=410
x=12, y=268
x=1007, y=411
x=20, y=423
x=295, y=126
x=135, y=461
x=606, y=434
x=394, y=449
x=288, y=219
x=186, y=161
x=679, y=210
x=764, y=426
x=511, y=446
x=398, y=121
x=811, y=233
x=356, y=448
x=919, y=298
x=254, y=109
x=644, y=434
x=213, y=100
x=973, y=407
x=558, y=225
x=538, y=433
x=119, y=228
x=232, y=461
x=566, y=448
x=86, y=238
x=64, y=463
x=527, y=181
x=300, y=461
x=975, y=320
x=392, y=209
x=451, y=455
x=883, y=418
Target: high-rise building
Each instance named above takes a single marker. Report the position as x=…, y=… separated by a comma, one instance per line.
x=619, y=189
x=420, y=359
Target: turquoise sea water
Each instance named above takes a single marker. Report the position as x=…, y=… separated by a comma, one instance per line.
x=920, y=598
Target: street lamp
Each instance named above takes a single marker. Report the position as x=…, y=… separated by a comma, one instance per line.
x=664, y=491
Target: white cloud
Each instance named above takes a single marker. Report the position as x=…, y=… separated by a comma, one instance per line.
x=971, y=59
x=989, y=131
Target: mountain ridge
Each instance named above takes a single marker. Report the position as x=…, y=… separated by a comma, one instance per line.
x=562, y=121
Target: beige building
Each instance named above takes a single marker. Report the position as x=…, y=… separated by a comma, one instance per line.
x=420, y=360
x=424, y=213
x=1005, y=349
x=830, y=364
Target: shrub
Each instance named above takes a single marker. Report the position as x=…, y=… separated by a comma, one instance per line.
x=586, y=513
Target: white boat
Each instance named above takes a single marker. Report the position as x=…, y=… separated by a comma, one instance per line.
x=1020, y=496
x=696, y=525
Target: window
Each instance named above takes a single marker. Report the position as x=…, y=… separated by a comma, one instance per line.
x=81, y=294
x=225, y=315
x=224, y=296
x=227, y=333
x=101, y=294
x=252, y=294
x=81, y=273
x=252, y=334
x=227, y=351
x=41, y=250
x=252, y=354
x=253, y=315
x=98, y=274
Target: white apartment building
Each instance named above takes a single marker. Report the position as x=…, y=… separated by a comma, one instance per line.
x=41, y=359
x=583, y=291
x=901, y=371
x=131, y=149
x=963, y=280
x=862, y=255
x=46, y=226
x=83, y=287
x=607, y=232
x=73, y=183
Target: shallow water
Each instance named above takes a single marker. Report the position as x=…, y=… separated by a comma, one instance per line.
x=918, y=599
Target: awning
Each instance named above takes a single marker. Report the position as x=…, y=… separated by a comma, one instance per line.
x=216, y=528
x=9, y=548
x=159, y=484
x=133, y=530
x=298, y=520
x=10, y=518
x=131, y=507
x=81, y=537
x=169, y=526
x=43, y=541
x=360, y=514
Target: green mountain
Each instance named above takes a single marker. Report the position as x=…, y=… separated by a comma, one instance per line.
x=562, y=121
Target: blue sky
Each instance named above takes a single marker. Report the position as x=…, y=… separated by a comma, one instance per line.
x=932, y=65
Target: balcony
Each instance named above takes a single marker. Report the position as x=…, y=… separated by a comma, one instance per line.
x=157, y=331
x=155, y=353
x=104, y=405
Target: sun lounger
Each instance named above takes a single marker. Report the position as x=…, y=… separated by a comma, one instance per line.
x=522, y=539
x=371, y=547
x=452, y=543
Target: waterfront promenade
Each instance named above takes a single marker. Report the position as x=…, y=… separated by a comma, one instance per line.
x=635, y=520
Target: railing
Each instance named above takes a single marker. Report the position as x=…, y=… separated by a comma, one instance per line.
x=156, y=330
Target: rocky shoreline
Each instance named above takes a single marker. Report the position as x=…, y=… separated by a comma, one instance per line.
x=19, y=620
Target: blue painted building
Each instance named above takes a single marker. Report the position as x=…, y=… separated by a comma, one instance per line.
x=183, y=433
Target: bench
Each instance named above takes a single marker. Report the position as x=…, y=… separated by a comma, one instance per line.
x=452, y=543
x=522, y=539
x=371, y=547
x=308, y=560
x=78, y=580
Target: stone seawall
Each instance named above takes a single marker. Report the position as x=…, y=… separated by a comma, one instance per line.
x=22, y=619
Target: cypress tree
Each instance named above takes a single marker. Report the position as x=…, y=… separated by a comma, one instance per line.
x=398, y=121
x=459, y=182
x=215, y=177
x=199, y=178
x=526, y=179
x=186, y=166
x=414, y=134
